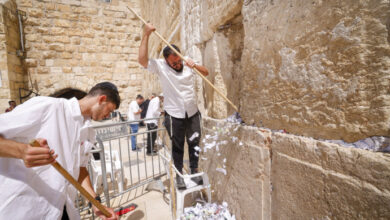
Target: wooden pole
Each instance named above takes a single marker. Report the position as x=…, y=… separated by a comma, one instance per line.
x=182, y=57
x=76, y=184
x=173, y=193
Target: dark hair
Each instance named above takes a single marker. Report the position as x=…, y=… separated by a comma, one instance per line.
x=108, y=89
x=9, y=102
x=139, y=96
x=168, y=51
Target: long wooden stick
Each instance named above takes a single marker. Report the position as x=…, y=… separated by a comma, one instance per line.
x=76, y=184
x=182, y=57
x=173, y=193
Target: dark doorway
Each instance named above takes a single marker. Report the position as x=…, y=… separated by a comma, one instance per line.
x=69, y=93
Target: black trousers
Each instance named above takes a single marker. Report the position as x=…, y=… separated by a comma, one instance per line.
x=64, y=214
x=152, y=136
x=179, y=130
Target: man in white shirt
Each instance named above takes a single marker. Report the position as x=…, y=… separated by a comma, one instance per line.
x=133, y=114
x=29, y=187
x=182, y=118
x=152, y=123
x=144, y=107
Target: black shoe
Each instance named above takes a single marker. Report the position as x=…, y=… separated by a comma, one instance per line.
x=180, y=183
x=198, y=179
x=154, y=153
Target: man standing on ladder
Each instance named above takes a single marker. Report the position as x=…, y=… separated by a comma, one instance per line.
x=182, y=117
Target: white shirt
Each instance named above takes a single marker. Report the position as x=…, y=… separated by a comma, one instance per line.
x=41, y=192
x=153, y=111
x=178, y=88
x=133, y=107
x=87, y=140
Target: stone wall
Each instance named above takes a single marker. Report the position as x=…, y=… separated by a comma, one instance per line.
x=164, y=15
x=272, y=175
x=76, y=44
x=318, y=68
x=13, y=74
x=246, y=186
x=4, y=87
x=206, y=38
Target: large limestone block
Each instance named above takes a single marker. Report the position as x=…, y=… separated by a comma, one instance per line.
x=318, y=68
x=202, y=19
x=352, y=199
x=313, y=179
x=246, y=185
x=371, y=167
x=297, y=190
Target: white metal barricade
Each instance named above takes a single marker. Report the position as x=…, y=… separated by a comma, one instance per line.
x=115, y=168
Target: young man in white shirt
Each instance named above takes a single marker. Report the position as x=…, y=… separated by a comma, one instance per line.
x=29, y=187
x=152, y=124
x=133, y=114
x=182, y=118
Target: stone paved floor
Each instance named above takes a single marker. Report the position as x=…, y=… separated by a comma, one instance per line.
x=151, y=205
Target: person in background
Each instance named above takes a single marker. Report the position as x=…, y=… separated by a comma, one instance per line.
x=12, y=105
x=134, y=114
x=154, y=111
x=144, y=106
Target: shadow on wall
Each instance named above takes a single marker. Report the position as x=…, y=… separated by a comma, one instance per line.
x=69, y=93
x=223, y=58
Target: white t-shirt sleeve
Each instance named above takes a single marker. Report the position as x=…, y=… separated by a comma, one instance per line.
x=153, y=66
x=134, y=107
x=25, y=119
x=154, y=108
x=157, y=109
x=129, y=114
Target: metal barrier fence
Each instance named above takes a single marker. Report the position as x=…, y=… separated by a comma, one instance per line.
x=113, y=157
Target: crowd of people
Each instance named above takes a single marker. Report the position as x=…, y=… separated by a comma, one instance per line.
x=147, y=112
x=59, y=125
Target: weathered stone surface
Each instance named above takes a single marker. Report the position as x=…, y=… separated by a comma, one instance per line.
x=327, y=180
x=31, y=62
x=246, y=186
x=34, y=12
x=326, y=77
x=12, y=73
x=303, y=178
x=165, y=16
x=59, y=34
x=319, y=69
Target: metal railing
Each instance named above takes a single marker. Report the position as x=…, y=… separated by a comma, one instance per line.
x=113, y=157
